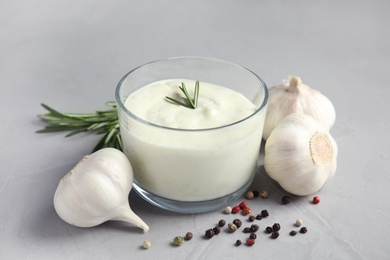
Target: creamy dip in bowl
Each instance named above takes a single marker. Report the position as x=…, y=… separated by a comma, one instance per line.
x=192, y=160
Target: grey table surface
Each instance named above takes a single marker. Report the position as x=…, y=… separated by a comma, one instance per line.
x=71, y=55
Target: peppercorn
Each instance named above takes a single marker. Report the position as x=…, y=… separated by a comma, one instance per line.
x=232, y=227
x=236, y=209
x=276, y=227
x=252, y=236
x=316, y=200
x=264, y=194
x=275, y=234
x=237, y=222
x=303, y=230
x=255, y=193
x=238, y=242
x=209, y=233
x=286, y=200
x=217, y=230
x=243, y=205
x=264, y=213
x=252, y=218
x=221, y=223
x=228, y=210
x=250, y=195
x=146, y=244
x=247, y=230
x=259, y=217
x=299, y=222
x=188, y=236
x=246, y=211
x=254, y=228
x=293, y=233
x=250, y=242
x=178, y=241
x=269, y=230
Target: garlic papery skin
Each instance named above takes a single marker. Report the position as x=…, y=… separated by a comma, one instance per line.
x=296, y=97
x=300, y=154
x=96, y=190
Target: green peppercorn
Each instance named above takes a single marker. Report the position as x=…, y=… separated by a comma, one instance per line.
x=178, y=241
x=232, y=227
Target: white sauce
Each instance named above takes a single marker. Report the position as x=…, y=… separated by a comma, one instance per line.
x=217, y=106
x=191, y=165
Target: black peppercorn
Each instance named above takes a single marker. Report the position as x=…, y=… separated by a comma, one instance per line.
x=217, y=230
x=276, y=227
x=286, y=200
x=252, y=236
x=256, y=193
x=238, y=242
x=264, y=213
x=259, y=217
x=209, y=233
x=247, y=230
x=275, y=234
x=269, y=230
x=254, y=228
x=293, y=233
x=303, y=230
x=237, y=222
x=188, y=236
x=221, y=223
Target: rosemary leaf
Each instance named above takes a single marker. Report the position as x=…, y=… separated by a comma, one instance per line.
x=101, y=122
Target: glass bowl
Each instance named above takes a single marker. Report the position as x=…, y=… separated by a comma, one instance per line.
x=192, y=170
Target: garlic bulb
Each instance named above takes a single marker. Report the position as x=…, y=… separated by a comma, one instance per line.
x=96, y=190
x=296, y=97
x=300, y=154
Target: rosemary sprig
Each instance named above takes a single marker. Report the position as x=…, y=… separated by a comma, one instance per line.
x=191, y=103
x=100, y=122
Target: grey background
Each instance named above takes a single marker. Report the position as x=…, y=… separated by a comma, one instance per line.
x=71, y=54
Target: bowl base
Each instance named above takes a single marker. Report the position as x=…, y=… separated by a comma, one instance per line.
x=192, y=206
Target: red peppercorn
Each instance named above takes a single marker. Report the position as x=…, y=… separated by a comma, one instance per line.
x=316, y=200
x=243, y=205
x=246, y=211
x=236, y=209
x=250, y=242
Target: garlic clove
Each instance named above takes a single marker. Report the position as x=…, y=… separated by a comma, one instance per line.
x=96, y=190
x=300, y=154
x=296, y=97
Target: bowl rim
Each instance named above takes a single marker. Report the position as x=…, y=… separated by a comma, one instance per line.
x=122, y=107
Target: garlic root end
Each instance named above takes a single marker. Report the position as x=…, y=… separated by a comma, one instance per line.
x=127, y=215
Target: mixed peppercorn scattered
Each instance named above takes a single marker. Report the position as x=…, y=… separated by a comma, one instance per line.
x=237, y=223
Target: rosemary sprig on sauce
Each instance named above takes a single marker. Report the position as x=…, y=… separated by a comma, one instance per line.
x=100, y=122
x=188, y=102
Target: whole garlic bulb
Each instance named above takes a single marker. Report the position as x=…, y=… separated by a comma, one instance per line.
x=96, y=190
x=300, y=154
x=296, y=97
